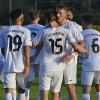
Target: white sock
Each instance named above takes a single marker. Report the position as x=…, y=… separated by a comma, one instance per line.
x=27, y=94
x=8, y=96
x=21, y=96
x=97, y=95
x=14, y=95
x=67, y=97
x=86, y=96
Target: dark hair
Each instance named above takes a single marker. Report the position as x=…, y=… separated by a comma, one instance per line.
x=34, y=14
x=88, y=18
x=15, y=13
x=51, y=15
x=62, y=6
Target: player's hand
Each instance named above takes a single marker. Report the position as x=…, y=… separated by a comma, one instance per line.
x=26, y=72
x=66, y=58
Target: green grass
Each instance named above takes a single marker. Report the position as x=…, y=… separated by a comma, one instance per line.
x=34, y=89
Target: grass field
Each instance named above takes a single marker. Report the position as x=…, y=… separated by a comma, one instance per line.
x=34, y=89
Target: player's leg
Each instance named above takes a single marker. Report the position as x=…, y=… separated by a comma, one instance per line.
x=21, y=94
x=86, y=79
x=71, y=92
x=97, y=81
x=44, y=84
x=70, y=79
x=44, y=95
x=10, y=86
x=29, y=82
x=97, y=91
x=21, y=86
x=55, y=95
x=56, y=84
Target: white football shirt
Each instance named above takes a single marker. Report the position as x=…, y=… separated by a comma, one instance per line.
x=92, y=41
x=54, y=44
x=35, y=29
x=76, y=34
x=13, y=39
x=79, y=27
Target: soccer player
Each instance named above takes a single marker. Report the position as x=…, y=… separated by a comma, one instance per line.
x=91, y=65
x=52, y=64
x=35, y=29
x=71, y=60
x=15, y=44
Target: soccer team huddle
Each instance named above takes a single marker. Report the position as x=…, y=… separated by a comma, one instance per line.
x=53, y=50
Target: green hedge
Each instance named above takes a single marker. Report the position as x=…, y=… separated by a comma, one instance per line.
x=97, y=27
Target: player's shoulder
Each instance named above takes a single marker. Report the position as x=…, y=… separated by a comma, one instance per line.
x=76, y=24
x=90, y=30
x=70, y=25
x=63, y=29
x=39, y=26
x=4, y=30
x=22, y=28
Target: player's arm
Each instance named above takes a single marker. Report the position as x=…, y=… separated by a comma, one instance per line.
x=27, y=60
x=38, y=49
x=77, y=48
x=26, y=54
x=82, y=44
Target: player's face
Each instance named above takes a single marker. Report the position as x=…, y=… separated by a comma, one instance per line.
x=61, y=14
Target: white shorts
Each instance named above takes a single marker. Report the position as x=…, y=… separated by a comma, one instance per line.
x=51, y=80
x=70, y=72
x=87, y=77
x=10, y=80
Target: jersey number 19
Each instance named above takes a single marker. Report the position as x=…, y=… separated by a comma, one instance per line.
x=16, y=41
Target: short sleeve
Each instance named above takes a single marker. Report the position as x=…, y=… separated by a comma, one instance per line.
x=27, y=40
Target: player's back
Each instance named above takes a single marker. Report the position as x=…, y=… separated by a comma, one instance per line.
x=92, y=41
x=35, y=29
x=54, y=44
x=14, y=38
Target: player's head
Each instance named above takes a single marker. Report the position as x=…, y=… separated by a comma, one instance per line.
x=87, y=21
x=34, y=15
x=69, y=15
x=51, y=15
x=62, y=13
x=17, y=16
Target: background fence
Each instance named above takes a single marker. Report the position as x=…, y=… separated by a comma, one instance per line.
x=79, y=7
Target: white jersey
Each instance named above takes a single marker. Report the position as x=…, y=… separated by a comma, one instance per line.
x=35, y=29
x=92, y=41
x=54, y=44
x=13, y=39
x=76, y=34
x=79, y=27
